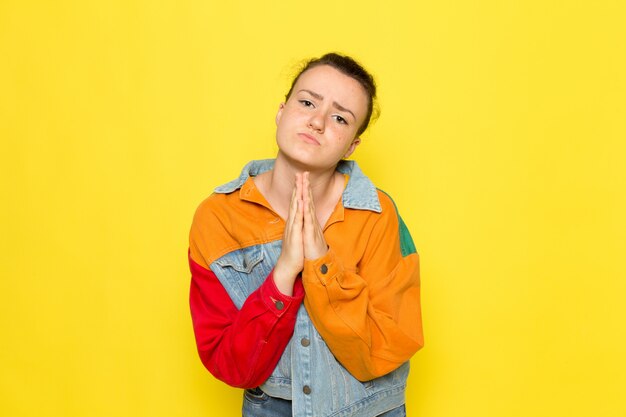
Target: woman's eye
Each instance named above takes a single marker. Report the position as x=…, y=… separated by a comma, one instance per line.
x=306, y=103
x=341, y=120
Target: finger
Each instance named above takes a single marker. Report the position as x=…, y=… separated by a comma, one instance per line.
x=311, y=202
x=293, y=208
x=299, y=218
x=305, y=189
x=309, y=196
x=307, y=204
x=299, y=179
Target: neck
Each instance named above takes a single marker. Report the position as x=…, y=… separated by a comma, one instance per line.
x=282, y=179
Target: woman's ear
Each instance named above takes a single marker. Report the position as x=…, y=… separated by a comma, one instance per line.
x=352, y=147
x=280, y=112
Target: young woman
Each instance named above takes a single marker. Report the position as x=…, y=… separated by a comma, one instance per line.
x=305, y=283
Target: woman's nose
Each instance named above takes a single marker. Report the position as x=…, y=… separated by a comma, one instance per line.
x=316, y=122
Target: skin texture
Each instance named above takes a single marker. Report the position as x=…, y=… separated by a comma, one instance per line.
x=316, y=128
x=318, y=125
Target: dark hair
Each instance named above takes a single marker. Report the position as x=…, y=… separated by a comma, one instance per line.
x=349, y=67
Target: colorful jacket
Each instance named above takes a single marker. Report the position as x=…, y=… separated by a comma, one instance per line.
x=340, y=345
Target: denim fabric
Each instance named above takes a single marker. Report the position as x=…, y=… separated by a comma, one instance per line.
x=396, y=412
x=256, y=403
x=360, y=193
x=307, y=375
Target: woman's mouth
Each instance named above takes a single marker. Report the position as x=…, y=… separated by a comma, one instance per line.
x=308, y=139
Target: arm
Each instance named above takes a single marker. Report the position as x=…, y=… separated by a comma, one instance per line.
x=370, y=320
x=241, y=347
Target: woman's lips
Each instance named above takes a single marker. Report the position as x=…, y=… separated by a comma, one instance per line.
x=308, y=138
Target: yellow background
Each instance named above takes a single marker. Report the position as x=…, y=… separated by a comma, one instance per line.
x=501, y=138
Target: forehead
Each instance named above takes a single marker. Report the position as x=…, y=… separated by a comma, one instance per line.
x=334, y=85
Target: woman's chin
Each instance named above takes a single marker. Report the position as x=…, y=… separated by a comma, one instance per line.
x=305, y=161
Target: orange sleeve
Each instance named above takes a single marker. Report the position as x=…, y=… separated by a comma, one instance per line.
x=371, y=318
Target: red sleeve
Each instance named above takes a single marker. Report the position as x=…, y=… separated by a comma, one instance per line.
x=241, y=347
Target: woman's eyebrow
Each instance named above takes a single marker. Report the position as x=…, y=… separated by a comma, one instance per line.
x=335, y=104
x=341, y=108
x=315, y=95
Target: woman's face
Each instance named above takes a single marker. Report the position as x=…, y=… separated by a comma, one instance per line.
x=318, y=124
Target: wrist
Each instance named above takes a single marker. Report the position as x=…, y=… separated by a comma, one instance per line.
x=283, y=279
x=317, y=253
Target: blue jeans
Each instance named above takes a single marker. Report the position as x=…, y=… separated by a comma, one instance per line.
x=256, y=403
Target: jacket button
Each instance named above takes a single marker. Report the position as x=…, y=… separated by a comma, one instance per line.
x=306, y=389
x=323, y=269
x=279, y=305
x=305, y=342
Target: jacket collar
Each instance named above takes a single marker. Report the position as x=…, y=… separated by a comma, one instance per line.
x=360, y=193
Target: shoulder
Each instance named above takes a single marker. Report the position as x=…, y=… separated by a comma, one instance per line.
x=213, y=205
x=213, y=210
x=391, y=213
x=388, y=206
x=386, y=202
x=210, y=229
